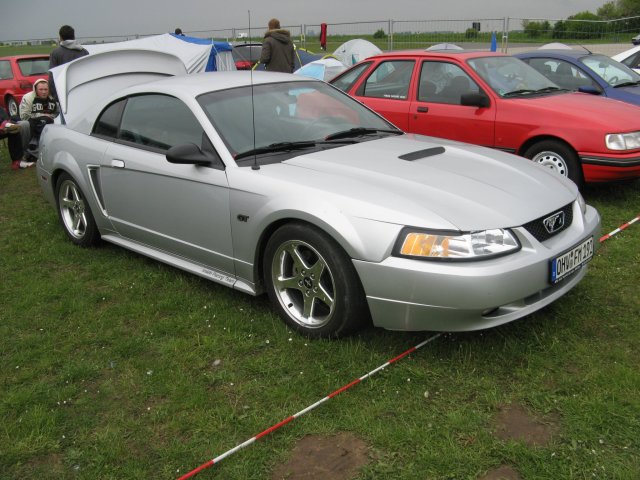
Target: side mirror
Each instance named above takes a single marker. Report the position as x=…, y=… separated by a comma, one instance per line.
x=589, y=89
x=189, y=154
x=479, y=100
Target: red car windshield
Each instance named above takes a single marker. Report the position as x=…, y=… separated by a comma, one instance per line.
x=508, y=76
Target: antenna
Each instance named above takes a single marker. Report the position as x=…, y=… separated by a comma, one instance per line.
x=255, y=165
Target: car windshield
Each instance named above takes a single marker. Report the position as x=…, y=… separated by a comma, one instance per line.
x=289, y=118
x=511, y=77
x=247, y=52
x=614, y=73
x=33, y=66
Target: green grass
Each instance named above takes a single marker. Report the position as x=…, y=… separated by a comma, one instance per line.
x=115, y=366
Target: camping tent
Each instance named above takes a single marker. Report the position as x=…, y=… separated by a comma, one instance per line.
x=353, y=51
x=197, y=54
x=323, y=69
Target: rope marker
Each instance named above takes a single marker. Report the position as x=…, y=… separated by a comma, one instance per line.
x=619, y=229
x=275, y=427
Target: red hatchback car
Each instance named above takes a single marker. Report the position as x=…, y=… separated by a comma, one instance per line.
x=498, y=101
x=17, y=74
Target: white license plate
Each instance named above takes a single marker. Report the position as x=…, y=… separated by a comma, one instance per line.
x=572, y=260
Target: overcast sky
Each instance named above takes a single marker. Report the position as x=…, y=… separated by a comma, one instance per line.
x=36, y=19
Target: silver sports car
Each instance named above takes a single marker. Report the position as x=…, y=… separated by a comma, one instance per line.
x=275, y=183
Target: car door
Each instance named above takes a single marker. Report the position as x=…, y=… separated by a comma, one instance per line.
x=437, y=110
x=178, y=209
x=386, y=90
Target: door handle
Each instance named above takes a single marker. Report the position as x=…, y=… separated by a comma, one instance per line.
x=423, y=109
x=117, y=163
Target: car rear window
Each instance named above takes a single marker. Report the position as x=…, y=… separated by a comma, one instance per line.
x=33, y=66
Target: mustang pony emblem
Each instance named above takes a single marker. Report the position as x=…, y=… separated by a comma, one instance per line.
x=554, y=222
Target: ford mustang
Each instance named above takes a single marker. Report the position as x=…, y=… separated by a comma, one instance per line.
x=276, y=183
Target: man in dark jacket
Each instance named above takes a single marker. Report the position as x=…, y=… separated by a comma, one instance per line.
x=277, y=49
x=68, y=50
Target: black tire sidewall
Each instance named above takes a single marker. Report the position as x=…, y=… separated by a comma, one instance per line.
x=351, y=311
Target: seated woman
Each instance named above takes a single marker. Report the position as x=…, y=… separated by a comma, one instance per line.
x=39, y=108
x=17, y=135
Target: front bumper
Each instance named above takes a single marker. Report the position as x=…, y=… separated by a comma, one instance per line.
x=599, y=168
x=405, y=294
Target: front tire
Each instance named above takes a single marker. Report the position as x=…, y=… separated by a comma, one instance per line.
x=74, y=213
x=312, y=283
x=558, y=157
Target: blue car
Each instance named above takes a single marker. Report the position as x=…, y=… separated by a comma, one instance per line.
x=586, y=72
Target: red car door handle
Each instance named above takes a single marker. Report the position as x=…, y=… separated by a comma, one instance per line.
x=423, y=109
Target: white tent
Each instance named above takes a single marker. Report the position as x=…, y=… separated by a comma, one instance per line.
x=353, y=51
x=194, y=56
x=323, y=69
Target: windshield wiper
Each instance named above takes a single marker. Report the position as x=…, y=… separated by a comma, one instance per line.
x=526, y=91
x=360, y=131
x=276, y=147
x=627, y=84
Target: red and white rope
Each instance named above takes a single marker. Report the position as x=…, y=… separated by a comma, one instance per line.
x=619, y=229
x=275, y=427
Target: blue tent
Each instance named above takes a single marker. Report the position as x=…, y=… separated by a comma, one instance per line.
x=220, y=52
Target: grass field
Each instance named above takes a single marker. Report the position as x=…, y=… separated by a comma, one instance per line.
x=116, y=366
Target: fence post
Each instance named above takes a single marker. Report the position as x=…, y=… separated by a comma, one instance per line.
x=390, y=41
x=505, y=35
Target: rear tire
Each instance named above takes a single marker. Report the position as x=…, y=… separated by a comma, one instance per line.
x=312, y=283
x=74, y=212
x=557, y=156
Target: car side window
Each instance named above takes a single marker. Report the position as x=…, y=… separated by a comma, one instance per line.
x=443, y=82
x=345, y=82
x=107, y=124
x=390, y=80
x=159, y=122
x=562, y=73
x=5, y=70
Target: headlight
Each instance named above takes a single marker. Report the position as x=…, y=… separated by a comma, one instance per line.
x=623, y=141
x=438, y=245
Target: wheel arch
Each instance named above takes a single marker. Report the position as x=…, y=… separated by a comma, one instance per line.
x=541, y=138
x=328, y=229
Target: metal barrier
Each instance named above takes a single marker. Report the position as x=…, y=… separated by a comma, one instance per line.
x=406, y=34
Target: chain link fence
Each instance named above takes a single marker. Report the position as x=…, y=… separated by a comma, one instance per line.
x=512, y=33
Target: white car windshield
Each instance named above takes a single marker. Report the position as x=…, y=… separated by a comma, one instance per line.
x=511, y=77
x=289, y=116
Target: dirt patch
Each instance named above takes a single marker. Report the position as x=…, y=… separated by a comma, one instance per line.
x=514, y=422
x=504, y=472
x=316, y=457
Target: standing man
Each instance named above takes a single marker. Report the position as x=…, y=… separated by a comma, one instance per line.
x=277, y=49
x=68, y=50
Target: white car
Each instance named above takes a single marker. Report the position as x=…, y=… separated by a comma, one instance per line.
x=268, y=182
x=631, y=58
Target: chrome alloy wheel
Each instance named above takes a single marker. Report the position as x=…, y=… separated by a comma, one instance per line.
x=72, y=209
x=303, y=283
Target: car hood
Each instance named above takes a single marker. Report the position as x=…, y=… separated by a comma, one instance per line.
x=610, y=114
x=629, y=94
x=453, y=185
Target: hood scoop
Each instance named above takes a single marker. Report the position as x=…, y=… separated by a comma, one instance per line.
x=427, y=152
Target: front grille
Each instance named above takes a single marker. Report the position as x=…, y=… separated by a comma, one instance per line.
x=538, y=230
